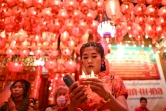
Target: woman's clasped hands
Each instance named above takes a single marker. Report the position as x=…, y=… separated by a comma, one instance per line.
x=97, y=86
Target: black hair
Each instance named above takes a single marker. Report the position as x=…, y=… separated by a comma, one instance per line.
x=143, y=98
x=99, y=49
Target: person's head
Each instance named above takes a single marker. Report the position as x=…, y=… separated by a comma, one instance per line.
x=20, y=90
x=92, y=56
x=143, y=102
x=60, y=95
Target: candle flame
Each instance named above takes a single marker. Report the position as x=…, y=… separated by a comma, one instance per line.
x=83, y=74
x=92, y=74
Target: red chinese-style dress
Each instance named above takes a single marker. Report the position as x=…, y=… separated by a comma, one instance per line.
x=141, y=109
x=113, y=83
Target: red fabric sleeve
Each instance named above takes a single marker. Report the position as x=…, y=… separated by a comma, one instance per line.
x=65, y=108
x=120, y=88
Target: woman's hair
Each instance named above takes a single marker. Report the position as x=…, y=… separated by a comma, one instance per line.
x=23, y=106
x=58, y=89
x=98, y=46
x=99, y=49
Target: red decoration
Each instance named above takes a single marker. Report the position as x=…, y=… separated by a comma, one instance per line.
x=140, y=9
x=2, y=42
x=70, y=66
x=50, y=64
x=24, y=53
x=113, y=9
x=15, y=66
x=126, y=7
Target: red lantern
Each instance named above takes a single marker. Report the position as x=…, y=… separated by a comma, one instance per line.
x=139, y=9
x=69, y=24
x=162, y=11
x=38, y=53
x=85, y=6
x=15, y=66
x=163, y=2
x=151, y=10
x=62, y=16
x=24, y=53
x=161, y=20
x=53, y=53
x=70, y=65
x=71, y=44
x=77, y=16
x=70, y=6
x=28, y=3
x=94, y=26
x=113, y=9
x=149, y=30
x=100, y=7
x=50, y=64
x=64, y=36
x=151, y=19
x=83, y=26
x=126, y=7
x=10, y=52
x=46, y=12
x=91, y=15
x=2, y=42
x=55, y=5
x=140, y=19
x=38, y=3
x=11, y=2
x=66, y=52
x=159, y=30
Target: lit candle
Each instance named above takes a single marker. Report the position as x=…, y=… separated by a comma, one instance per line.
x=83, y=76
x=92, y=75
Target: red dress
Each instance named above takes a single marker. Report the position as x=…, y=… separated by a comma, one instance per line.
x=114, y=84
x=141, y=109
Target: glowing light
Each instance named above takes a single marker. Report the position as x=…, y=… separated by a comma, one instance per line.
x=146, y=36
x=150, y=45
x=106, y=27
x=134, y=45
x=142, y=45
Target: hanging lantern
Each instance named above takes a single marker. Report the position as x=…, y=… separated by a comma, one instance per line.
x=2, y=42
x=24, y=53
x=50, y=64
x=15, y=66
x=70, y=65
x=113, y=9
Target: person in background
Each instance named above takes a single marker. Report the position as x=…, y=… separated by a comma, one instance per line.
x=143, y=102
x=33, y=103
x=61, y=98
x=108, y=92
x=19, y=99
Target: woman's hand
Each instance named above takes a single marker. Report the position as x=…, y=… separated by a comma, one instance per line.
x=77, y=95
x=97, y=86
x=11, y=105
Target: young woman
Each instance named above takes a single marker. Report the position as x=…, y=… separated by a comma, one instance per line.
x=61, y=98
x=19, y=99
x=108, y=91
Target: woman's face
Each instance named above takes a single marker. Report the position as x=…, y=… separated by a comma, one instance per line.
x=17, y=90
x=61, y=92
x=91, y=60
